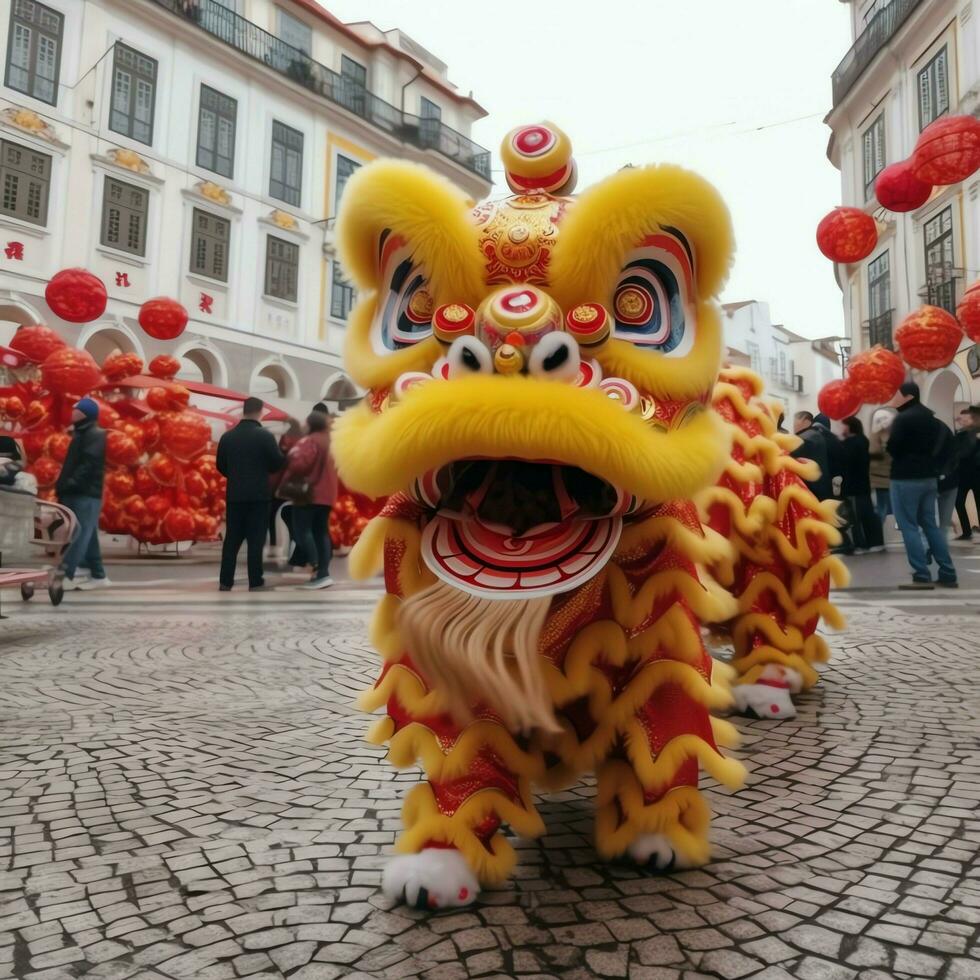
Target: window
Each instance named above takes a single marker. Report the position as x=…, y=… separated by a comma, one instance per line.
x=281, y=269
x=341, y=295
x=134, y=80
x=345, y=168
x=216, y=132
x=286, y=179
x=430, y=122
x=874, y=154
x=34, y=50
x=294, y=31
x=25, y=177
x=209, y=245
x=755, y=355
x=353, y=85
x=933, y=89
x=124, y=213
x=938, y=234
x=880, y=302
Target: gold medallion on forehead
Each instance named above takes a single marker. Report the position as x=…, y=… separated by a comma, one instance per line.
x=454, y=313
x=584, y=314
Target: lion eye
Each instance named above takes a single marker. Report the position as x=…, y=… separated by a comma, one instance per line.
x=466, y=355
x=555, y=357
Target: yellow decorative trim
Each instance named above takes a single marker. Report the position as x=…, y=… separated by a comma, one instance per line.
x=213, y=192
x=284, y=220
x=30, y=122
x=130, y=160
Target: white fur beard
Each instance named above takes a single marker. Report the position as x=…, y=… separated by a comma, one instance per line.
x=472, y=651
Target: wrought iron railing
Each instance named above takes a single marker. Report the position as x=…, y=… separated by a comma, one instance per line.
x=880, y=330
x=251, y=40
x=878, y=32
x=942, y=293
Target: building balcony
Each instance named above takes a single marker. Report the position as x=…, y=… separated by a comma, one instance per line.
x=880, y=330
x=941, y=292
x=254, y=42
x=878, y=32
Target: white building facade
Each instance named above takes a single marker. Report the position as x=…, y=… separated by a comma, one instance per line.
x=198, y=149
x=794, y=369
x=912, y=61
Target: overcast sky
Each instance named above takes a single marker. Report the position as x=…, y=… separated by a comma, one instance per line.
x=685, y=81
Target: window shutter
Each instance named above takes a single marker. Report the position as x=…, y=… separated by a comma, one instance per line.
x=942, y=84
x=925, y=99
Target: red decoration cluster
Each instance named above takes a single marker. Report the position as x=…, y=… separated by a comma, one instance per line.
x=349, y=516
x=847, y=235
x=161, y=481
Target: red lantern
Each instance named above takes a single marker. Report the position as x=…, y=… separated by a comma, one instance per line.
x=838, y=399
x=163, y=469
x=135, y=432
x=119, y=483
x=184, y=434
x=35, y=414
x=46, y=471
x=76, y=296
x=178, y=397
x=33, y=443
x=164, y=367
x=195, y=484
x=163, y=318
x=875, y=375
x=929, y=338
x=898, y=189
x=968, y=313
x=948, y=150
x=158, y=399
x=847, y=235
x=120, y=450
x=178, y=525
x=158, y=504
x=205, y=526
x=108, y=416
x=134, y=508
x=35, y=341
x=70, y=372
x=56, y=445
x=144, y=482
x=151, y=434
x=119, y=365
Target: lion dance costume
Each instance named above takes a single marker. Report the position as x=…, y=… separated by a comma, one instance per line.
x=540, y=373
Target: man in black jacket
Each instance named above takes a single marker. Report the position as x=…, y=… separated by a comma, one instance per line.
x=79, y=488
x=247, y=455
x=918, y=446
x=814, y=447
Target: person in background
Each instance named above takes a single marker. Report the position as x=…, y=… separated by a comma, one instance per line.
x=11, y=460
x=949, y=477
x=969, y=474
x=247, y=457
x=292, y=435
x=881, y=463
x=79, y=488
x=311, y=481
x=813, y=447
x=835, y=455
x=865, y=533
x=918, y=446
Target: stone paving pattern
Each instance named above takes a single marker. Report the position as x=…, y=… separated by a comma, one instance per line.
x=185, y=794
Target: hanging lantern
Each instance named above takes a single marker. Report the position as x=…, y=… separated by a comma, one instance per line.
x=56, y=445
x=120, y=450
x=158, y=504
x=119, y=483
x=898, y=189
x=178, y=397
x=151, y=434
x=68, y=371
x=948, y=150
x=968, y=313
x=929, y=338
x=163, y=468
x=838, y=399
x=184, y=434
x=876, y=375
x=46, y=471
x=195, y=484
x=158, y=399
x=108, y=416
x=33, y=443
x=144, y=483
x=13, y=407
x=119, y=365
x=35, y=341
x=164, y=367
x=76, y=296
x=163, y=318
x=847, y=235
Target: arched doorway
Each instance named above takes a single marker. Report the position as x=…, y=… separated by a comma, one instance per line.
x=14, y=314
x=274, y=379
x=946, y=392
x=199, y=364
x=101, y=341
x=340, y=391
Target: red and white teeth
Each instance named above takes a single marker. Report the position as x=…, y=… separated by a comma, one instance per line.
x=622, y=391
x=425, y=489
x=407, y=381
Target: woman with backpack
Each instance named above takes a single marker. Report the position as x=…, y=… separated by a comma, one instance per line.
x=310, y=484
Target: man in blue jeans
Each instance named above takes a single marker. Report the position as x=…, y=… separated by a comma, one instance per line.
x=919, y=445
x=79, y=488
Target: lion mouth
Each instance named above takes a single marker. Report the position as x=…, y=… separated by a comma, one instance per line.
x=507, y=528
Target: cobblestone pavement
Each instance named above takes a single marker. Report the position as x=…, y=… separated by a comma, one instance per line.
x=184, y=793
